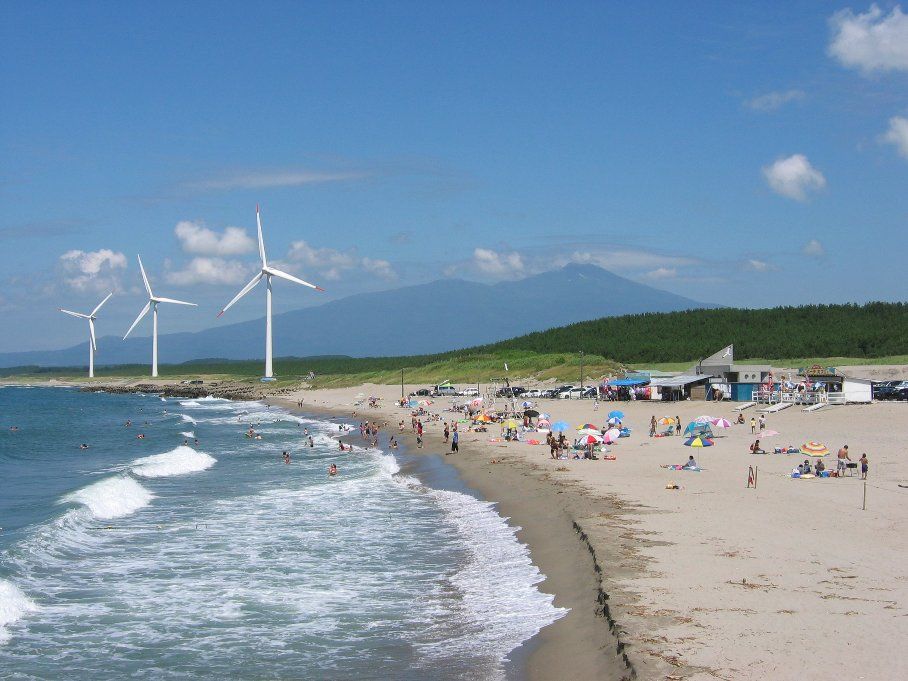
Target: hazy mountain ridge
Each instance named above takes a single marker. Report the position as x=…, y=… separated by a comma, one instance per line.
x=419, y=319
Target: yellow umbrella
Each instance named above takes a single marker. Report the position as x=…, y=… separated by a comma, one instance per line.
x=485, y=418
x=815, y=448
x=511, y=423
x=666, y=421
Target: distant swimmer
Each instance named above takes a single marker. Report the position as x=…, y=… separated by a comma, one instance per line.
x=332, y=469
x=341, y=445
x=197, y=442
x=311, y=443
x=258, y=437
x=140, y=436
x=83, y=446
x=286, y=457
x=305, y=432
x=127, y=424
x=392, y=443
x=185, y=443
x=14, y=428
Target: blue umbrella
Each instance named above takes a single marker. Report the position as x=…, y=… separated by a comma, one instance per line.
x=560, y=425
x=616, y=414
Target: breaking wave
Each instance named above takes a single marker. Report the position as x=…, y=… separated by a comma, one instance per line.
x=178, y=461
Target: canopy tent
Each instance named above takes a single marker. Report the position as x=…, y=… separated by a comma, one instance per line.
x=694, y=428
x=626, y=382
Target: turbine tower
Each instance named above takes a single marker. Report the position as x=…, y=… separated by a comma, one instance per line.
x=92, y=343
x=266, y=273
x=152, y=304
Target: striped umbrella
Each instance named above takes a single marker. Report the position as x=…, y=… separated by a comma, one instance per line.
x=588, y=426
x=543, y=423
x=698, y=441
x=590, y=431
x=611, y=435
x=666, y=421
x=721, y=423
x=814, y=448
x=591, y=439
x=704, y=419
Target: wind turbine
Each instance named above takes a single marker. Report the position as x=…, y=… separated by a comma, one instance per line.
x=92, y=343
x=152, y=304
x=266, y=273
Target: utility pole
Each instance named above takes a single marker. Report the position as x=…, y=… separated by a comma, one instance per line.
x=581, y=369
x=401, y=384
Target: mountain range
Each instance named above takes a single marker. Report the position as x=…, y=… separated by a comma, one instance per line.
x=426, y=318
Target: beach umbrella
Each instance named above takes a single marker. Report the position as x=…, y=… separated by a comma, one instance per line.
x=527, y=405
x=703, y=419
x=768, y=433
x=560, y=426
x=425, y=403
x=721, y=423
x=588, y=426
x=614, y=421
x=476, y=402
x=412, y=403
x=815, y=448
x=611, y=435
x=484, y=418
x=510, y=423
x=698, y=441
x=590, y=431
x=616, y=414
x=666, y=421
x=591, y=439
x=545, y=416
x=532, y=413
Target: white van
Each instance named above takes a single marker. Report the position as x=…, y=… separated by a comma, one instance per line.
x=444, y=391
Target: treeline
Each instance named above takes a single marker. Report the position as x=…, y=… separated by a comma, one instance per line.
x=871, y=330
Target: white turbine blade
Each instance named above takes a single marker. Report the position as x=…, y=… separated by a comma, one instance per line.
x=290, y=277
x=258, y=221
x=139, y=318
x=246, y=289
x=91, y=331
x=176, y=302
x=145, y=278
x=75, y=314
x=95, y=311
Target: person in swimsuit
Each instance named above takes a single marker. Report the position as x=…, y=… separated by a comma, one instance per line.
x=864, y=462
x=842, y=458
x=332, y=470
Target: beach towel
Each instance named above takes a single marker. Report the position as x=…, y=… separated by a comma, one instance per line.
x=608, y=457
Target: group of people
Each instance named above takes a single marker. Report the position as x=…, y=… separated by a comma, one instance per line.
x=672, y=427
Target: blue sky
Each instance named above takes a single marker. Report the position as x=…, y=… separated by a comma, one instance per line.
x=717, y=150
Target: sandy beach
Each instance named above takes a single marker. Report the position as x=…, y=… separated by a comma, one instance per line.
x=791, y=580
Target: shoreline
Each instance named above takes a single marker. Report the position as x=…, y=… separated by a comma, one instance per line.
x=586, y=641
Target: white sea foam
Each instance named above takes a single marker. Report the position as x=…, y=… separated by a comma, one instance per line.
x=189, y=403
x=188, y=433
x=188, y=419
x=13, y=606
x=112, y=497
x=179, y=461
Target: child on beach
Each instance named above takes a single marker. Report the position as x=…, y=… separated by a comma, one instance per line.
x=677, y=426
x=753, y=425
x=864, y=462
x=652, y=426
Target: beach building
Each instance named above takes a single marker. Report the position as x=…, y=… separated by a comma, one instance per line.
x=839, y=388
x=729, y=380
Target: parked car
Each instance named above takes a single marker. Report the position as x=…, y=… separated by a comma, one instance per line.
x=422, y=392
x=513, y=391
x=590, y=392
x=444, y=391
x=470, y=392
x=882, y=390
x=534, y=392
x=571, y=394
x=900, y=394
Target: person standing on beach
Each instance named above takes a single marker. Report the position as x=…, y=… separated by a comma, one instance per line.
x=864, y=463
x=447, y=433
x=843, y=457
x=753, y=425
x=455, y=441
x=762, y=422
x=419, y=429
x=652, y=426
x=677, y=425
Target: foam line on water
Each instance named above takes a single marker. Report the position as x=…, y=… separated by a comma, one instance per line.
x=188, y=433
x=179, y=461
x=188, y=419
x=14, y=605
x=112, y=497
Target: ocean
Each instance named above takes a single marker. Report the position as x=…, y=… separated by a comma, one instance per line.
x=149, y=557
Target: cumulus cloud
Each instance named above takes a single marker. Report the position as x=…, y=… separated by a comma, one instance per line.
x=897, y=134
x=196, y=238
x=203, y=270
x=266, y=179
x=498, y=264
x=872, y=41
x=624, y=259
x=794, y=177
x=332, y=263
x=662, y=273
x=93, y=270
x=774, y=100
x=814, y=249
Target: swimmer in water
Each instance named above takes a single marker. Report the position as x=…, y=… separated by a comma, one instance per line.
x=197, y=442
x=311, y=443
x=140, y=436
x=332, y=469
x=83, y=446
x=286, y=456
x=185, y=443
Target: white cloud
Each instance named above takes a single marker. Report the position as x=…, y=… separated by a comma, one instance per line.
x=265, y=179
x=93, y=270
x=872, y=41
x=774, y=100
x=898, y=134
x=758, y=265
x=503, y=264
x=662, y=273
x=380, y=268
x=814, y=249
x=332, y=263
x=196, y=238
x=624, y=259
x=209, y=271
x=794, y=177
